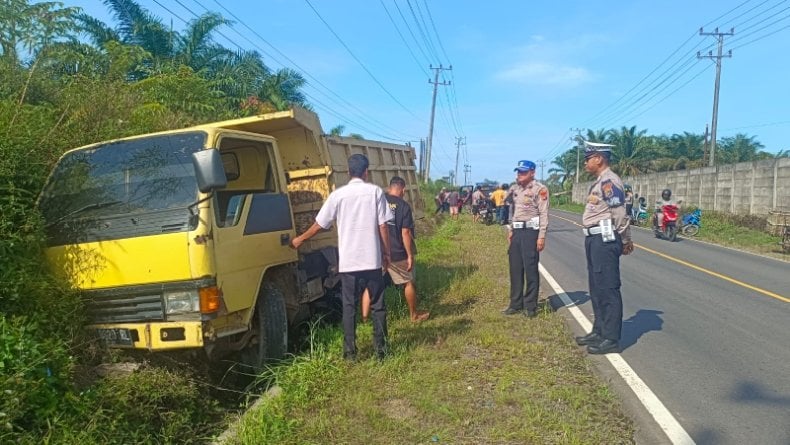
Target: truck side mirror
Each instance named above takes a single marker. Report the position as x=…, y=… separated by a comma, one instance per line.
x=209, y=170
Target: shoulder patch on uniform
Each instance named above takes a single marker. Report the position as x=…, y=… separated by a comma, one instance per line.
x=544, y=193
x=612, y=194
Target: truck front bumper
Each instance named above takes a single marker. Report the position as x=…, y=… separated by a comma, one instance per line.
x=157, y=336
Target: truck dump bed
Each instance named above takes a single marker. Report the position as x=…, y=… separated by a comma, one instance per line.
x=316, y=164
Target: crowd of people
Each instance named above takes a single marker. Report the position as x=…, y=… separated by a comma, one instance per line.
x=376, y=238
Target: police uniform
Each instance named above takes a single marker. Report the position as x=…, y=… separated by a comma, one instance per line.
x=528, y=224
x=605, y=202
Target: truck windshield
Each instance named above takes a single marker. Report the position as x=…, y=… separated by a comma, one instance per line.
x=134, y=176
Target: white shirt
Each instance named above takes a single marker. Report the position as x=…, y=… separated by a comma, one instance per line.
x=359, y=209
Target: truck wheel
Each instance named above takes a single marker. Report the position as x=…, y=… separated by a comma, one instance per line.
x=269, y=342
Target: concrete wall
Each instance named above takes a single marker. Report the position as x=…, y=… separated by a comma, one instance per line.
x=747, y=188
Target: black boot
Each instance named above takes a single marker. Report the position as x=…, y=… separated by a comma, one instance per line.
x=590, y=339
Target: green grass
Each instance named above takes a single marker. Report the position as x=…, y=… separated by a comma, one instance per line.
x=467, y=375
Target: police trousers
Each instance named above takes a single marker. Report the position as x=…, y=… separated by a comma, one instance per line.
x=603, y=275
x=353, y=284
x=524, y=257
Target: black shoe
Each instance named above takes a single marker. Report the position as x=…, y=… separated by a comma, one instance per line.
x=530, y=314
x=590, y=339
x=604, y=347
x=511, y=311
x=382, y=354
x=350, y=356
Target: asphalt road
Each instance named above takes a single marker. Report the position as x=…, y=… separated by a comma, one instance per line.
x=713, y=344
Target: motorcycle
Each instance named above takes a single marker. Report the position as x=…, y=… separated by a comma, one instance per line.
x=668, y=229
x=639, y=214
x=487, y=213
x=691, y=223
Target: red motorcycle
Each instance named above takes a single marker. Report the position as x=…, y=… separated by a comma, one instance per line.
x=669, y=225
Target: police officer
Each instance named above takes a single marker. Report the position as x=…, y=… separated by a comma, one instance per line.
x=607, y=236
x=526, y=238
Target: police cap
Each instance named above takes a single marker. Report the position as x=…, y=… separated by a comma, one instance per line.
x=596, y=148
x=524, y=166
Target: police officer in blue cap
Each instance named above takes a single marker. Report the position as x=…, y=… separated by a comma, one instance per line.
x=526, y=237
x=607, y=236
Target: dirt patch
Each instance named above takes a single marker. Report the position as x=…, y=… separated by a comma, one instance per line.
x=399, y=409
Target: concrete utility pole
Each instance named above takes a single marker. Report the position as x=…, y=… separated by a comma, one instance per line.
x=458, y=142
x=717, y=60
x=467, y=173
x=705, y=146
x=429, y=145
x=542, y=163
x=578, y=140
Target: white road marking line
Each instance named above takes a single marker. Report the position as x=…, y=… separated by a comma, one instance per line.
x=676, y=434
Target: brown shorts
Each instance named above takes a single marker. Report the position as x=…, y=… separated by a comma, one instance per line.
x=399, y=274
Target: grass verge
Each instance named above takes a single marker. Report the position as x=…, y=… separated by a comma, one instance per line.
x=467, y=375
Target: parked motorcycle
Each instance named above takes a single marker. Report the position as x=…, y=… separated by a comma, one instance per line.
x=691, y=223
x=639, y=213
x=487, y=212
x=668, y=229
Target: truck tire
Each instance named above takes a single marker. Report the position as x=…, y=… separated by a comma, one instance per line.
x=270, y=330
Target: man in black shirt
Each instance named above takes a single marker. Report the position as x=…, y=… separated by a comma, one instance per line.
x=402, y=249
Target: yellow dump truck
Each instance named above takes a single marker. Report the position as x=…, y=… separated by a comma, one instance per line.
x=180, y=239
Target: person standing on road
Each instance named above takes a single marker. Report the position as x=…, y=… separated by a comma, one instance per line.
x=607, y=236
x=452, y=201
x=402, y=250
x=526, y=238
x=361, y=212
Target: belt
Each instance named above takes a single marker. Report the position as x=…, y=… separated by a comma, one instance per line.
x=518, y=225
x=590, y=231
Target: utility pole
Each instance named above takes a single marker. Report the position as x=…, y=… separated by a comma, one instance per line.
x=429, y=145
x=458, y=142
x=467, y=173
x=705, y=146
x=542, y=163
x=717, y=60
x=578, y=140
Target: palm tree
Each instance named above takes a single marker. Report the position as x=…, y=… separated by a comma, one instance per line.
x=629, y=145
x=337, y=130
x=283, y=89
x=740, y=148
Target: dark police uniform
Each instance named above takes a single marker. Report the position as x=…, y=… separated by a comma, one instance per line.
x=605, y=201
x=528, y=224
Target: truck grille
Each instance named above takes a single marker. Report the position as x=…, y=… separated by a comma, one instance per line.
x=126, y=308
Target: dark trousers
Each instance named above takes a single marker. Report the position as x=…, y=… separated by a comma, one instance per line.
x=523, y=255
x=353, y=284
x=603, y=275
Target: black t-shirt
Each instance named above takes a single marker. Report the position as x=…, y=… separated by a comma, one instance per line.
x=403, y=220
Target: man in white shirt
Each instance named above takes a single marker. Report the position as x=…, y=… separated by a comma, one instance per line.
x=361, y=212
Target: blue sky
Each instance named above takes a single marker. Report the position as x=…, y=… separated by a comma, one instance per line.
x=524, y=72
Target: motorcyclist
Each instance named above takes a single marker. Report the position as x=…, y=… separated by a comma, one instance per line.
x=666, y=199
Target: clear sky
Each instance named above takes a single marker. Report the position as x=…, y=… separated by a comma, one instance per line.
x=524, y=71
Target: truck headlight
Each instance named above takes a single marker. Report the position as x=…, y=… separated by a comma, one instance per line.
x=182, y=302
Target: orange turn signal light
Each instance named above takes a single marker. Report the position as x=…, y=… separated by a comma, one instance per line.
x=209, y=299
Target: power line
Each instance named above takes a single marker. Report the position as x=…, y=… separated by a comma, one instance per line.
x=359, y=61
x=426, y=39
x=362, y=114
x=403, y=39
x=405, y=22
x=312, y=98
x=433, y=25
